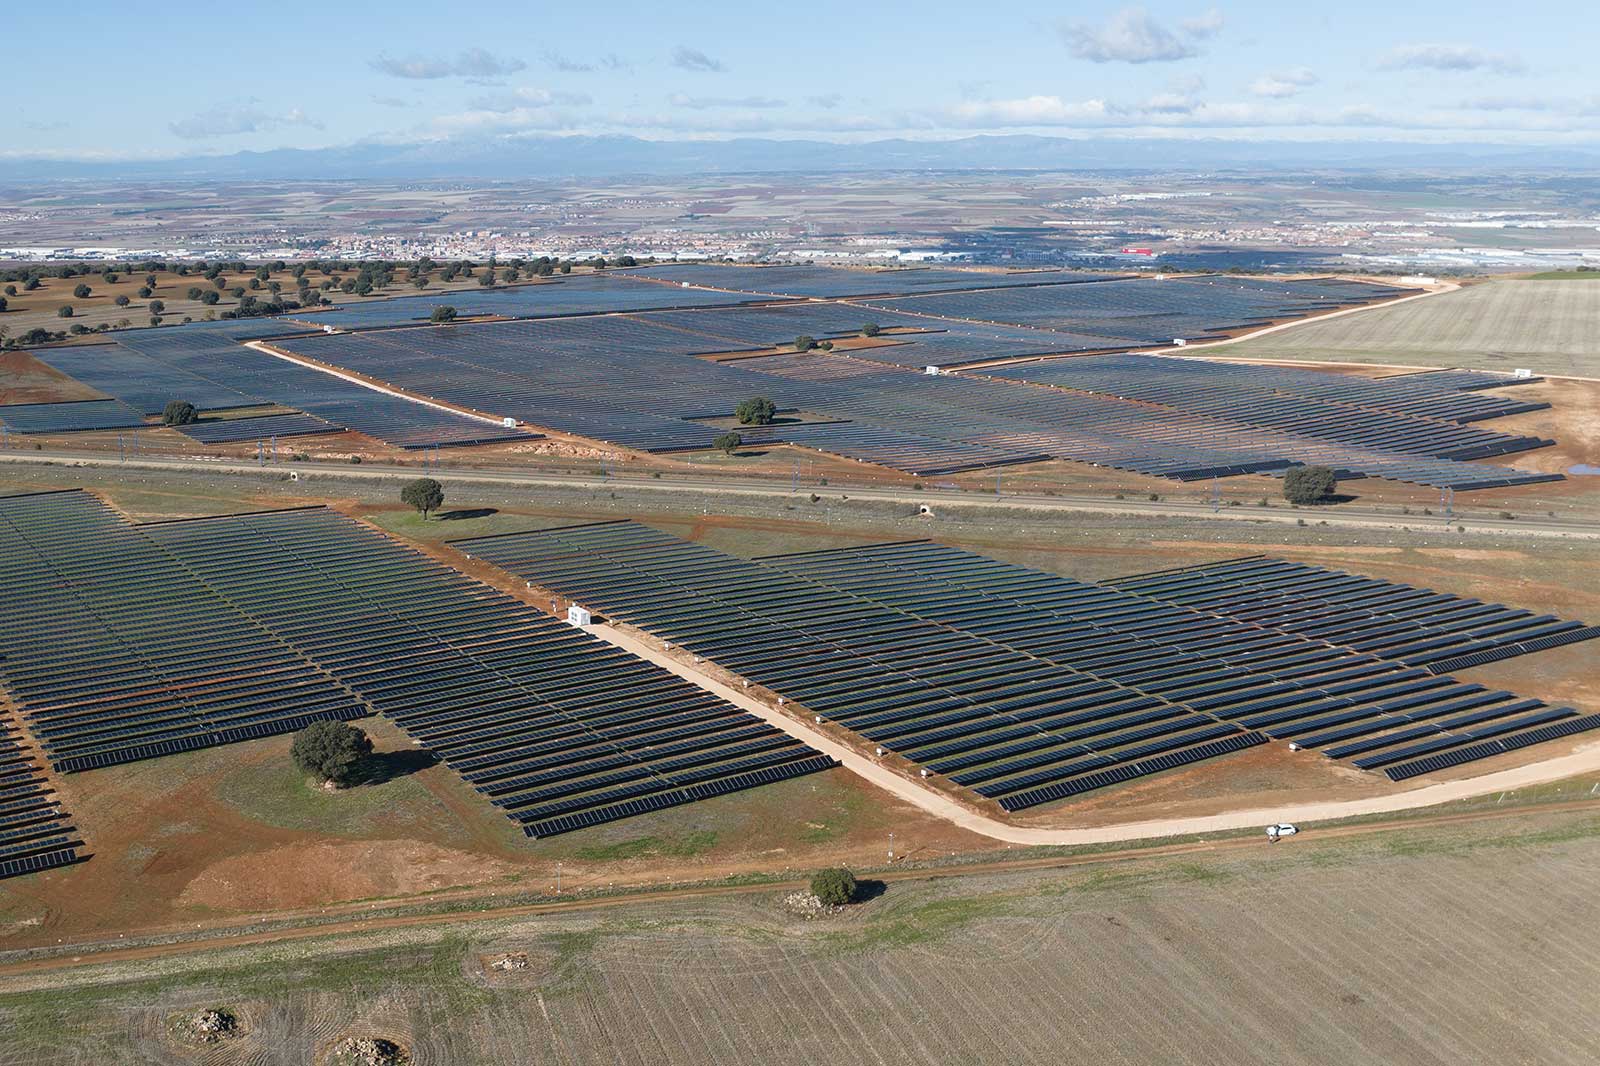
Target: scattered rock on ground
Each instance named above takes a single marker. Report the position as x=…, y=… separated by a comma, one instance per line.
x=209, y=1025
x=369, y=1051
x=807, y=905
x=517, y=960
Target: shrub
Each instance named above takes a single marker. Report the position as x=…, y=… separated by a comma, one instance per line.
x=177, y=413
x=728, y=443
x=331, y=750
x=81, y=291
x=804, y=343
x=1308, y=484
x=64, y=311
x=870, y=329
x=834, y=886
x=756, y=411
x=445, y=313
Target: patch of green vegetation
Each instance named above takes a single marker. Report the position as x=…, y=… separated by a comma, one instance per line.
x=275, y=792
x=682, y=847
x=455, y=523
x=917, y=924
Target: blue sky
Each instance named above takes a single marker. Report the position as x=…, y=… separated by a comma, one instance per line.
x=216, y=80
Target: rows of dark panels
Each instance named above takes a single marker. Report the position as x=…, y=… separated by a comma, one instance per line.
x=35, y=833
x=115, y=651
x=583, y=295
x=1416, y=626
x=127, y=642
x=214, y=353
x=558, y=729
x=1008, y=680
x=633, y=382
x=71, y=417
x=1345, y=701
x=263, y=428
x=928, y=691
x=1146, y=312
x=144, y=383
x=1357, y=410
x=820, y=282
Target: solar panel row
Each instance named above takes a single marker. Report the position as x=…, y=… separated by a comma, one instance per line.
x=904, y=682
x=1360, y=412
x=633, y=381
x=1010, y=681
x=265, y=427
x=212, y=352
x=1146, y=312
x=830, y=282
x=35, y=833
x=1412, y=625
x=546, y=720
x=582, y=295
x=116, y=652
x=127, y=642
x=74, y=417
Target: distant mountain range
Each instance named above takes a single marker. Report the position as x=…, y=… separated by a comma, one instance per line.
x=611, y=156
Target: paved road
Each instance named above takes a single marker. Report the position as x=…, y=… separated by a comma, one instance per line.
x=935, y=498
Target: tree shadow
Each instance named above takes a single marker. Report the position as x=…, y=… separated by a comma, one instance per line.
x=474, y=512
x=868, y=888
x=382, y=767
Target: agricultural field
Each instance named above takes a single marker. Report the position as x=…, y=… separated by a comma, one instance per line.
x=1548, y=327
x=1436, y=942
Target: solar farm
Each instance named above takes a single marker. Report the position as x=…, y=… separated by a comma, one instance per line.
x=1027, y=688
x=127, y=642
x=929, y=372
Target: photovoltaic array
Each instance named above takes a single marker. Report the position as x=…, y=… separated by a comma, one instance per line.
x=558, y=729
x=126, y=642
x=1021, y=685
x=35, y=833
x=648, y=365
x=1415, y=626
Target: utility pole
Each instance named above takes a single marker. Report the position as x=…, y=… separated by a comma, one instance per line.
x=891, y=847
x=558, y=879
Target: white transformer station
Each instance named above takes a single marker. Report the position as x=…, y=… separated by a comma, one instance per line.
x=578, y=616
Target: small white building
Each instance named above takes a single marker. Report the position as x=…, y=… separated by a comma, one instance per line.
x=578, y=616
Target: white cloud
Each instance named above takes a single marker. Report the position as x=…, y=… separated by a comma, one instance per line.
x=692, y=59
x=392, y=101
x=1028, y=111
x=1284, y=83
x=567, y=65
x=503, y=103
x=704, y=103
x=472, y=63
x=1449, y=57
x=240, y=118
x=1132, y=36
x=1206, y=25
x=827, y=101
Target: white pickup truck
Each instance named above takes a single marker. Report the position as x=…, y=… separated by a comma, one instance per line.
x=1282, y=829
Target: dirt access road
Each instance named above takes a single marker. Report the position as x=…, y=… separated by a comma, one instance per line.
x=1585, y=760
